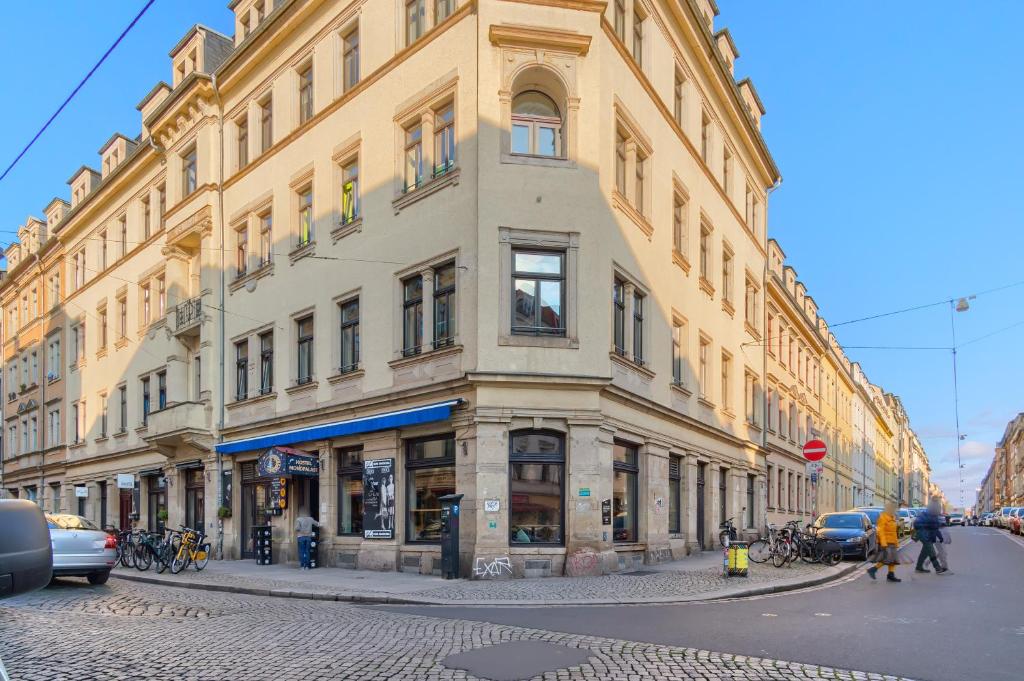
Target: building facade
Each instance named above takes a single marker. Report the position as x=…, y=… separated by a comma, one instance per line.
x=514, y=250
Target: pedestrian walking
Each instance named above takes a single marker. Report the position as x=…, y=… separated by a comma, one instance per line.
x=888, y=544
x=304, y=525
x=926, y=527
x=941, y=549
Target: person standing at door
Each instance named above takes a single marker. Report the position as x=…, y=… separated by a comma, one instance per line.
x=304, y=525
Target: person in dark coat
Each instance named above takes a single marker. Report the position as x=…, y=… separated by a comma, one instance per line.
x=926, y=527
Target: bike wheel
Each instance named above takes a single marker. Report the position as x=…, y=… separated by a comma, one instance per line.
x=759, y=551
x=143, y=557
x=202, y=557
x=780, y=554
x=164, y=555
x=831, y=554
x=180, y=560
x=128, y=555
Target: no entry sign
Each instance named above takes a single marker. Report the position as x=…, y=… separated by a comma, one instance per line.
x=815, y=450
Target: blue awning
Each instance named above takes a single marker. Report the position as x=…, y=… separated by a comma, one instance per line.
x=440, y=411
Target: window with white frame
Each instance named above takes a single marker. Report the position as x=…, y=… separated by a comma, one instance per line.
x=122, y=231
x=349, y=333
x=536, y=125
x=750, y=302
x=415, y=20
x=727, y=274
x=632, y=159
x=306, y=93
x=412, y=315
x=53, y=431
x=638, y=35
x=413, y=156
x=679, y=352
x=350, y=59
x=242, y=140
x=266, y=116
x=349, y=190
x=726, y=392
x=443, y=9
x=679, y=98
x=189, y=169
x=620, y=19
x=705, y=250
x=726, y=170
x=680, y=226
x=266, y=225
x=444, y=140
x=538, y=292
x=705, y=137
x=53, y=359
x=122, y=318
x=304, y=216
x=703, y=367
x=147, y=218
x=639, y=300
x=751, y=396
x=241, y=250
x=101, y=315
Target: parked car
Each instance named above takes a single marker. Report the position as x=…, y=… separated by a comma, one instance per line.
x=956, y=519
x=987, y=519
x=852, y=529
x=80, y=548
x=1013, y=520
x=1001, y=515
x=905, y=519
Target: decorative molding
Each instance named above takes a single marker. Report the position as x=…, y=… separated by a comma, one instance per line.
x=535, y=37
x=598, y=6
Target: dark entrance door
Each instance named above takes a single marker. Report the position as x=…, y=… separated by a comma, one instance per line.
x=255, y=499
x=723, y=508
x=125, y=507
x=701, y=473
x=195, y=499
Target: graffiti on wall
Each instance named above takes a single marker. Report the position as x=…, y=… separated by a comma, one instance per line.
x=484, y=568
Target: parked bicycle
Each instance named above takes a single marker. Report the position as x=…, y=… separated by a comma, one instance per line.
x=194, y=549
x=728, y=533
x=147, y=550
x=125, y=550
x=168, y=549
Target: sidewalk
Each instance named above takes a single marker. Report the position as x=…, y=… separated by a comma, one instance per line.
x=695, y=578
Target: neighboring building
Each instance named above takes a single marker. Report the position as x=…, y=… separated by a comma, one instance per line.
x=1008, y=467
x=410, y=254
x=986, y=497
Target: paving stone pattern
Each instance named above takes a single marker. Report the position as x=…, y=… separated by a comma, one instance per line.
x=126, y=630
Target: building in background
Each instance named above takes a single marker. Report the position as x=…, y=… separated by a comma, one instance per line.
x=364, y=237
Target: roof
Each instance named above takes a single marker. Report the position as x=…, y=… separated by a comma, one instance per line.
x=191, y=32
x=728, y=36
x=152, y=93
x=114, y=137
x=79, y=172
x=56, y=199
x=753, y=91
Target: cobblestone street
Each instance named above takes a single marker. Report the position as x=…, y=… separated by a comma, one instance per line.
x=130, y=631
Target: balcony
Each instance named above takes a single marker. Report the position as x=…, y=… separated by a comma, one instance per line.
x=188, y=316
x=178, y=424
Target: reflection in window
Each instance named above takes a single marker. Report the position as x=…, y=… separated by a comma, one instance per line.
x=536, y=125
x=412, y=315
x=444, y=140
x=536, y=488
x=350, y=491
x=430, y=474
x=538, y=292
x=444, y=305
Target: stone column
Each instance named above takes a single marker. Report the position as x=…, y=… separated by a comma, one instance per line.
x=483, y=475
x=328, y=510
x=654, y=495
x=589, y=544
x=689, y=503
x=382, y=554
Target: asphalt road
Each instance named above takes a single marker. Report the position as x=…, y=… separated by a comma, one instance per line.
x=968, y=625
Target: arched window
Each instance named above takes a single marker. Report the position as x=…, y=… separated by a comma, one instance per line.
x=536, y=125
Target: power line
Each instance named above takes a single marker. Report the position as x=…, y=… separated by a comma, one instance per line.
x=78, y=87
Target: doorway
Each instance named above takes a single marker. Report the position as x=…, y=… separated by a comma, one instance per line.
x=255, y=501
x=195, y=499
x=125, y=509
x=702, y=469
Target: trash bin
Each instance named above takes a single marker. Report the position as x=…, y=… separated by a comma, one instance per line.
x=738, y=559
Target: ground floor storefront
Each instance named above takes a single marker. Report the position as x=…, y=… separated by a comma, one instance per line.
x=554, y=481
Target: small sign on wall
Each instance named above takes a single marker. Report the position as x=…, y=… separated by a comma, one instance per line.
x=606, y=511
x=125, y=481
x=492, y=505
x=584, y=491
x=81, y=492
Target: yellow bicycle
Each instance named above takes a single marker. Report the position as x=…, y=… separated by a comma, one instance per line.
x=193, y=549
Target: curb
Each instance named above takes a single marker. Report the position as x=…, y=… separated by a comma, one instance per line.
x=372, y=599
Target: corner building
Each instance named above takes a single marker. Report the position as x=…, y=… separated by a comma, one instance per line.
x=515, y=247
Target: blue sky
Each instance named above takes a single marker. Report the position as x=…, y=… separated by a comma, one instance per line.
x=896, y=126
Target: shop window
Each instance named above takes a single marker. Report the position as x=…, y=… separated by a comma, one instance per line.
x=536, y=488
x=624, y=493
x=675, y=483
x=350, y=491
x=430, y=474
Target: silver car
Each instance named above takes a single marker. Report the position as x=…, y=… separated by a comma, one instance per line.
x=80, y=548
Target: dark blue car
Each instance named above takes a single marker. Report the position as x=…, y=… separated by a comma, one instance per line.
x=852, y=529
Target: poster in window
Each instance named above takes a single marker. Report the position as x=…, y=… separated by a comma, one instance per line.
x=379, y=499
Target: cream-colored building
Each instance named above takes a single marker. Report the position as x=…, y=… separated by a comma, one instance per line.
x=511, y=249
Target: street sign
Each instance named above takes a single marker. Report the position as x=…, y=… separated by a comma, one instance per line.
x=814, y=468
x=815, y=450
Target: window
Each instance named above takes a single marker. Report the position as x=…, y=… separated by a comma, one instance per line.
x=705, y=251
x=349, y=192
x=678, y=102
x=703, y=359
x=638, y=37
x=241, y=370
x=78, y=409
x=304, y=329
x=161, y=295
x=619, y=316
x=538, y=292
x=624, y=493
x=102, y=314
x=241, y=250
x=349, y=336
x=122, y=393
x=638, y=327
x=12, y=440
x=679, y=223
x=146, y=304
x=443, y=9
x=242, y=141
x=306, y=94
x=620, y=163
x=122, y=223
x=678, y=352
x=102, y=238
x=53, y=432
x=413, y=156
x=188, y=172
x=430, y=474
x=305, y=216
x=705, y=138
x=444, y=140
x=147, y=222
x=266, y=238
x=412, y=315
x=350, y=60
x=751, y=394
x=350, y=491
x=53, y=359
x=536, y=125
x=638, y=195
x=675, y=483
x=726, y=275
x=415, y=20
x=266, y=362
x=444, y=305
x=726, y=170
x=749, y=515
x=103, y=415
x=161, y=193
x=146, y=404
x=266, y=124
x=122, y=329
x=726, y=381
x=536, y=488
x=620, y=19
x=750, y=303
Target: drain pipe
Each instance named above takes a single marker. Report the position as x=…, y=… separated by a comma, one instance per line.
x=221, y=332
x=765, y=416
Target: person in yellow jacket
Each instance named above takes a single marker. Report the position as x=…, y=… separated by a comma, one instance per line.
x=888, y=543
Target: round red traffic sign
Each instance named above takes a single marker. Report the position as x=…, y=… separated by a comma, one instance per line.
x=815, y=450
